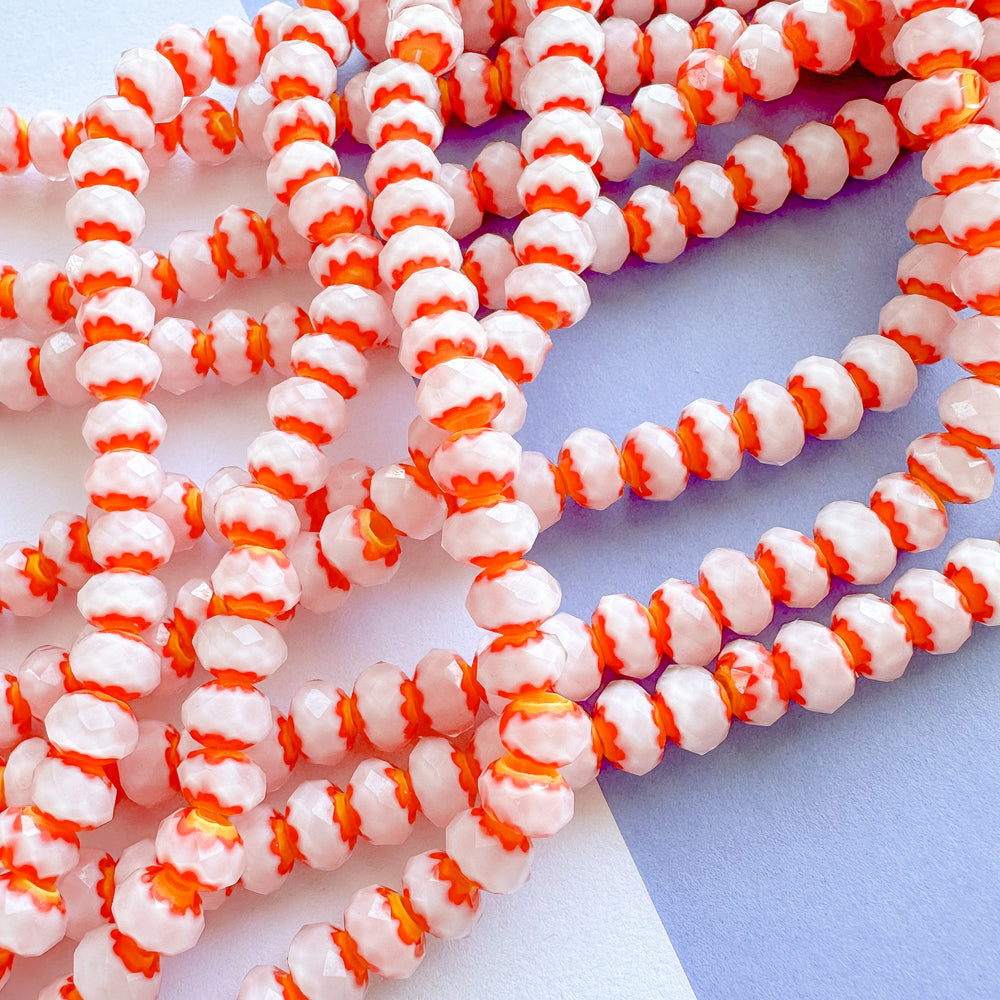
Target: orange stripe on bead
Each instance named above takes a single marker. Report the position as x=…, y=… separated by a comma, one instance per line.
x=133, y=956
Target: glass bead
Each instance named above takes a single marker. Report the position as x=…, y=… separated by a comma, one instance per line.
x=934, y=610
x=496, y=857
x=107, y=963
x=156, y=913
x=696, y=712
x=323, y=962
x=813, y=666
x=770, y=423
x=745, y=672
x=856, y=545
x=319, y=826
x=955, y=470
x=663, y=120
x=758, y=168
x=536, y=800
x=624, y=634
x=795, y=571
x=629, y=727
x=443, y=786
x=973, y=566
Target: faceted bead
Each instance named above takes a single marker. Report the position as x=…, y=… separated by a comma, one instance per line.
x=123, y=480
x=536, y=800
x=709, y=85
x=934, y=610
x=662, y=120
x=707, y=199
x=404, y=120
x=226, y=714
x=496, y=172
x=381, y=701
x=883, y=371
x=150, y=910
x=491, y=534
x=555, y=237
x=41, y=679
x=109, y=162
x=711, y=440
x=560, y=81
x=318, y=713
x=561, y=31
x=920, y=325
x=440, y=895
x=973, y=566
x=689, y=629
x=474, y=88
x=581, y=676
x=323, y=962
x=287, y=463
x=975, y=282
x=441, y=779
x=206, y=130
x=268, y=853
x=735, y=587
x=84, y=890
x=221, y=781
x=333, y=361
x=148, y=774
x=120, y=664
x=387, y=936
x=187, y=51
x=206, y=849
x=62, y=788
x=107, y=963
x=955, y=470
x=382, y=801
x=43, y=297
x=770, y=423
x=817, y=160
x=961, y=158
x=537, y=485
x=763, y=63
x=515, y=344
x=813, y=666
x=361, y=544
x=943, y=102
x=49, y=135
x=487, y=262
x=105, y=212
x=34, y=846
x=975, y=345
x=506, y=668
x=665, y=43
x=745, y=672
x=827, y=397
x=912, y=513
x=795, y=571
x=514, y=601
x=938, y=39
x=562, y=130
x=495, y=856
x=624, y=633
x=758, y=168
x=619, y=155
x=695, y=709
x=22, y=762
x=856, y=545
x=590, y=466
x=425, y=35
x=551, y=295
x=256, y=582
x=118, y=368
x=546, y=728
x=147, y=79
x=34, y=916
x=91, y=725
x=820, y=36
x=629, y=726
x=653, y=462
x=461, y=393
x=446, y=692
x=57, y=367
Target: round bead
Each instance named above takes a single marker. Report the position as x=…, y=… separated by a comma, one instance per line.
x=387, y=936
x=92, y=725
x=361, y=544
x=827, y=398
x=440, y=895
x=689, y=629
x=322, y=962
x=538, y=801
x=516, y=600
x=629, y=727
x=711, y=440
x=382, y=801
x=695, y=710
x=770, y=423
x=146, y=909
x=956, y=471
x=758, y=168
x=813, y=666
x=875, y=634
x=912, y=513
x=934, y=610
x=107, y=963
x=795, y=571
x=745, y=671
x=884, y=373
x=856, y=545
x=624, y=634
x=498, y=858
x=256, y=582
x=973, y=565
x=663, y=121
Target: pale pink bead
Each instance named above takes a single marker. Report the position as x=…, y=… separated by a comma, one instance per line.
x=814, y=665
x=483, y=534
x=335, y=362
x=711, y=440
x=251, y=515
x=556, y=29
x=856, y=545
x=958, y=158
x=175, y=341
x=619, y=155
x=21, y=595
x=382, y=940
x=101, y=968
x=562, y=130
x=940, y=97
x=689, y=630
x=663, y=120
x=537, y=805
x=558, y=181
x=707, y=199
x=309, y=408
x=553, y=296
x=289, y=118
x=243, y=241
x=262, y=579
x=413, y=509
x=191, y=258
x=955, y=470
x=625, y=635
x=414, y=248
x=654, y=462
x=796, y=573
x=123, y=312
x=22, y=762
x=299, y=69
x=264, y=870
x=555, y=237
x=19, y=389
x=124, y=478
x=41, y=680
x=231, y=784
x=973, y=565
x=720, y=28
x=439, y=782
x=496, y=865
x=581, y=675
x=536, y=484
x=746, y=670
x=118, y=663
x=234, y=715
x=669, y=40
x=261, y=982
x=432, y=290
x=80, y=891
x=348, y=312
x=131, y=539
x=975, y=344
x=545, y=728
x=327, y=206
x=447, y=699
x=316, y=712
x=212, y=858
x=235, y=50
x=322, y=27
x=827, y=396
x=519, y=598
x=348, y=483
x=924, y=40
x=560, y=81
x=206, y=130
x=762, y=168
x=924, y=221
x=934, y=609
x=154, y=922
x=42, y=297
x=92, y=725
x=975, y=281
x=883, y=371
x=970, y=407
x=487, y=262
x=361, y=545
x=920, y=325
x=479, y=463
x=766, y=63
x=770, y=422
x=735, y=587
x=329, y=263
x=34, y=847
x=33, y=923
x=286, y=462
x=147, y=773
x=47, y=132
x=62, y=788
x=435, y=892
x=708, y=82
x=188, y=53
x=147, y=79
x=516, y=344
x=377, y=799
x=496, y=171
x=107, y=212
x=400, y=158
x=820, y=35
x=504, y=670
x=474, y=98
x=461, y=393
x=106, y=161
x=218, y=483
x=57, y=366
x=628, y=726
x=817, y=160
x=590, y=464
x=115, y=423
x=404, y=119
x=871, y=122
x=320, y=965
x=100, y=261
x=697, y=713
x=381, y=702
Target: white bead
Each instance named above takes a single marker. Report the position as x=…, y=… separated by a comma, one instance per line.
x=697, y=708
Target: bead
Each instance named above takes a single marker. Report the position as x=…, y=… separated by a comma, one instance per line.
x=382, y=801
x=461, y=393
x=148, y=774
x=495, y=856
x=43, y=297
x=294, y=69
x=562, y=131
x=440, y=895
x=955, y=470
x=19, y=384
x=206, y=849
x=496, y=172
x=563, y=31
x=537, y=800
x=414, y=509
x=629, y=727
x=820, y=36
x=974, y=345
x=256, y=582
x=869, y=134
x=758, y=168
x=147, y=79
x=934, y=610
x=331, y=360
x=206, y=131
x=536, y=484
x=226, y=714
x=34, y=916
x=105, y=212
x=856, y=545
x=763, y=63
x=187, y=51
x=913, y=514
x=653, y=462
x=387, y=936
x=665, y=43
x=249, y=515
x=735, y=587
x=51, y=137
x=120, y=119
x=286, y=463
x=361, y=544
x=968, y=409
x=710, y=439
x=920, y=325
x=380, y=699
x=34, y=846
x=120, y=664
x=490, y=535
x=317, y=712
x=40, y=681
x=221, y=781
x=156, y=914
x=663, y=121
x=302, y=118
x=817, y=160
x=100, y=264
x=84, y=892
x=433, y=290
x=883, y=372
x=192, y=260
x=795, y=571
x=234, y=49
x=745, y=672
x=107, y=161
x=323, y=962
x=560, y=81
x=326, y=207
x=961, y=158
x=975, y=283
x=624, y=634
x=590, y=466
x=554, y=297
x=107, y=963
x=546, y=728
x=91, y=725
x=689, y=630
x=78, y=796
x=827, y=398
x=938, y=39
x=446, y=692
x=813, y=666
x=425, y=35
x=972, y=566
x=582, y=673
x=508, y=667
x=710, y=87
x=19, y=772
x=404, y=120
x=770, y=423
x=57, y=366
x=943, y=102
x=696, y=712
x=707, y=199
x=441, y=779
x=516, y=600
